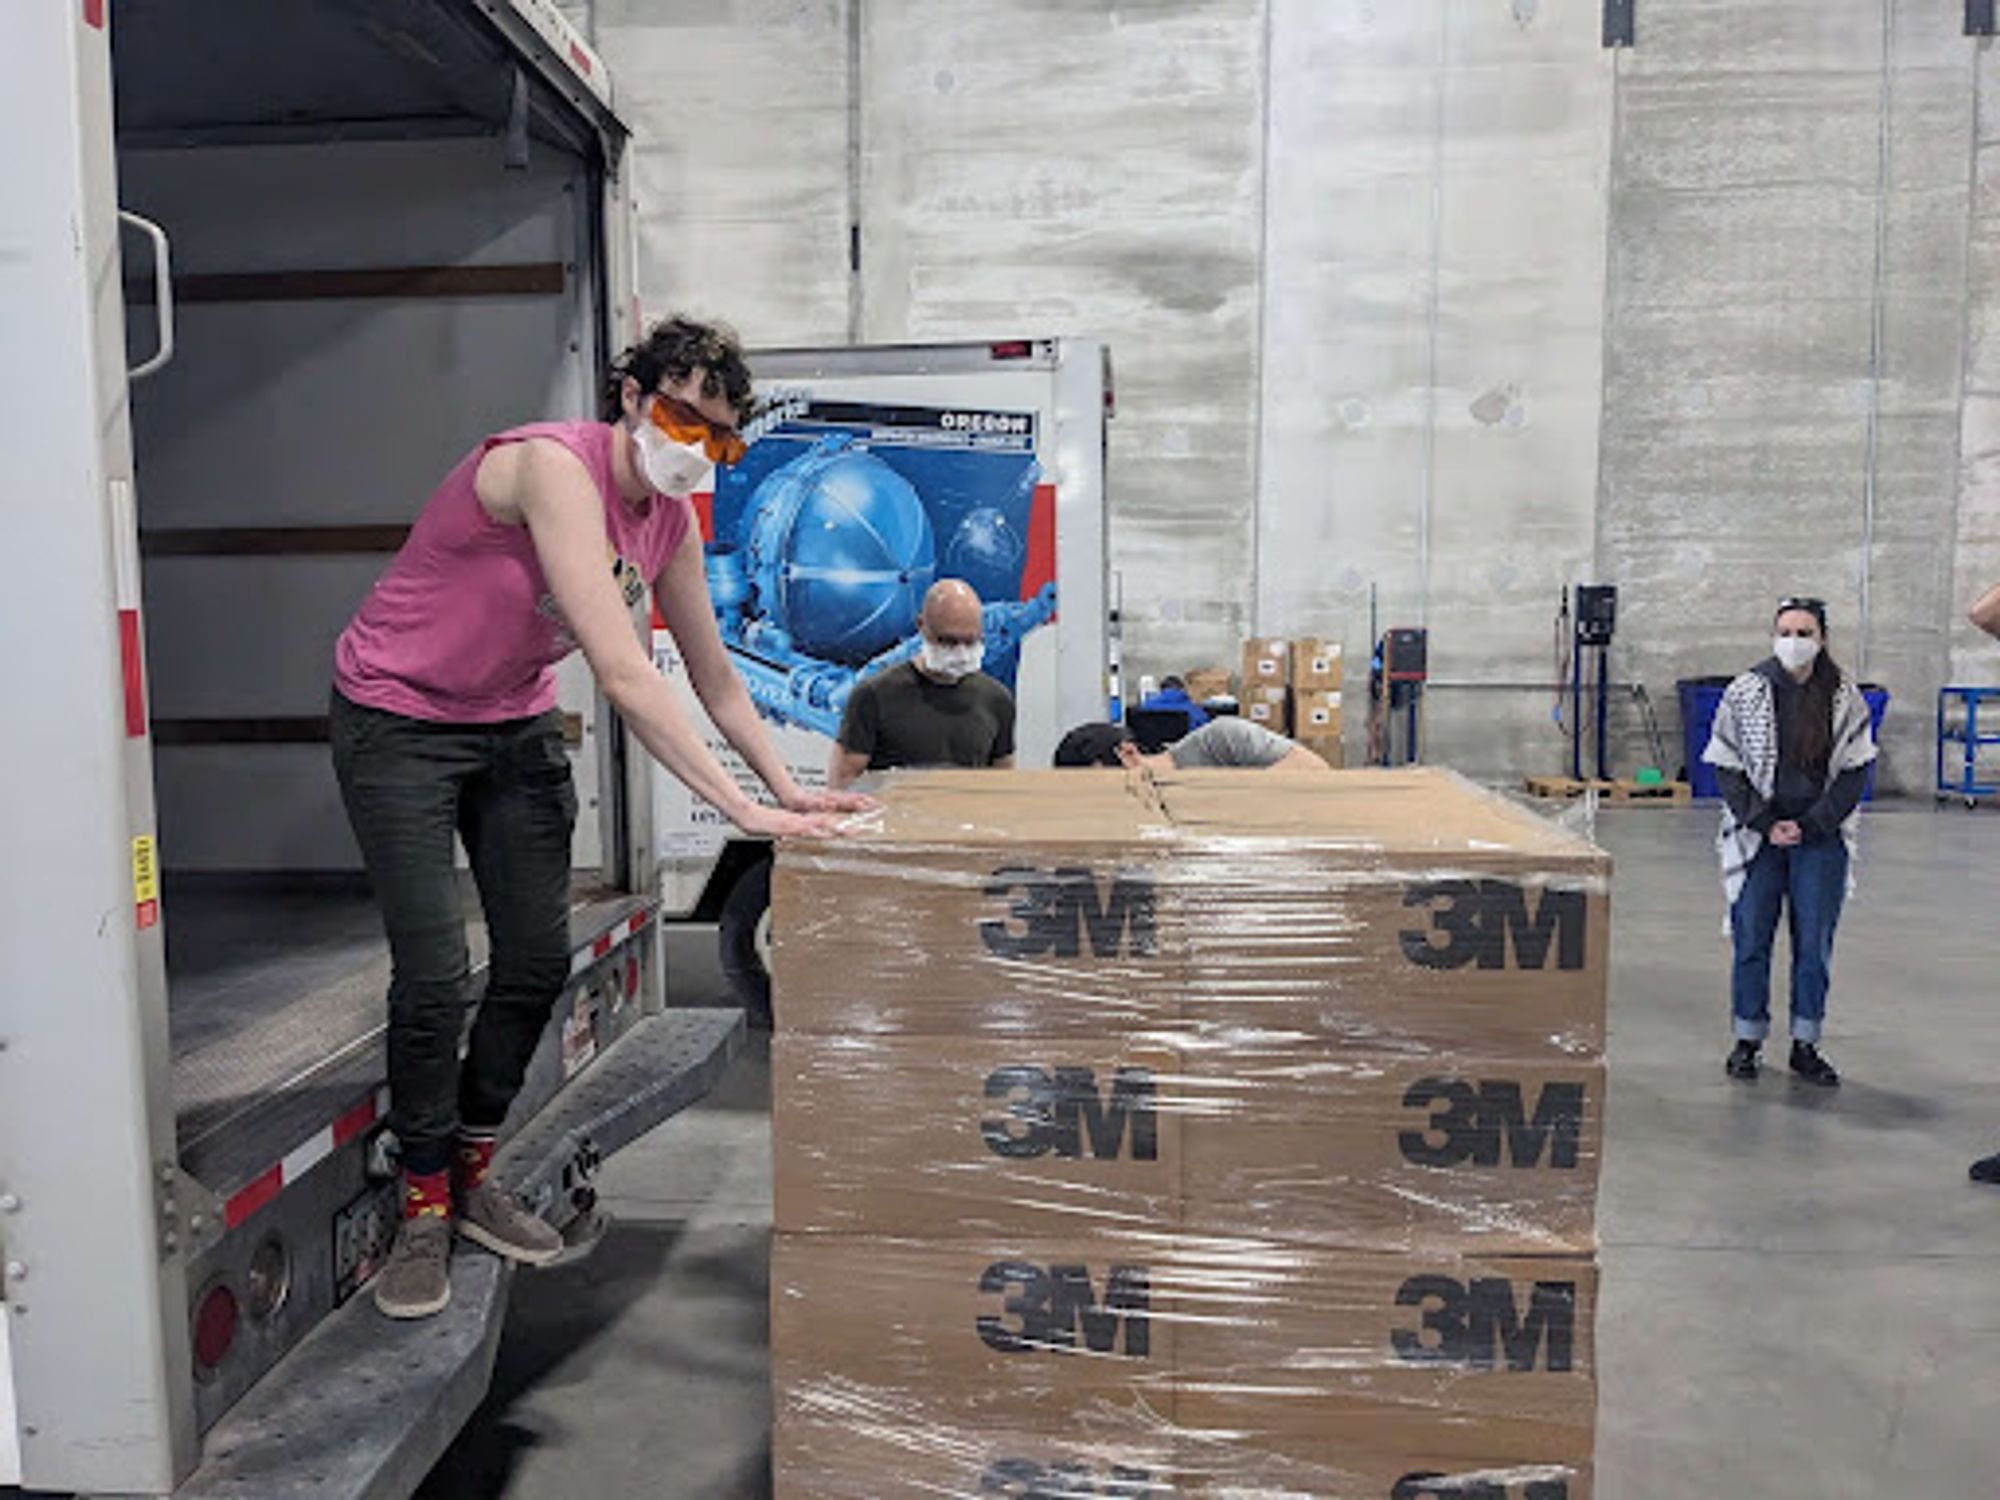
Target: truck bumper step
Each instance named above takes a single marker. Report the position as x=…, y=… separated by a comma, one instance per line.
x=364, y=1407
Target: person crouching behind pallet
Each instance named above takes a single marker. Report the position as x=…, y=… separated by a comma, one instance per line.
x=1791, y=748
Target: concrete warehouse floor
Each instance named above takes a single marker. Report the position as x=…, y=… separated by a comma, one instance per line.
x=1801, y=1290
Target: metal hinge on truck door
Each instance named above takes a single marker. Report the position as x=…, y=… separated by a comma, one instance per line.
x=189, y=1217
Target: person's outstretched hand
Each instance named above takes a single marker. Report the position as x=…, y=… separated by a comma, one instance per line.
x=831, y=802
x=781, y=823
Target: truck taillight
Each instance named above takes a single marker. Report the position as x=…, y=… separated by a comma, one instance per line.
x=216, y=1319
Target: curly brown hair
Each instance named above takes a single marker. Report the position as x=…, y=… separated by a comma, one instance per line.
x=673, y=349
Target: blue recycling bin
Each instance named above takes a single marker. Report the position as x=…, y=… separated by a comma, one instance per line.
x=1702, y=696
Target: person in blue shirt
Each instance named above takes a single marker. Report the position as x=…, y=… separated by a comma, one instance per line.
x=1173, y=696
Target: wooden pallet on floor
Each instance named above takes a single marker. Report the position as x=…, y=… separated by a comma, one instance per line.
x=1636, y=793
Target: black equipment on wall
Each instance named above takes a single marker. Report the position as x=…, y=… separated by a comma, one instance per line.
x=1621, y=24
x=1596, y=619
x=1396, y=680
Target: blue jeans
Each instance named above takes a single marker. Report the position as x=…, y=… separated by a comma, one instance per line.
x=1812, y=880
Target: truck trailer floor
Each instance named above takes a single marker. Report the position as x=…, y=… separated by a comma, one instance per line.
x=1801, y=1289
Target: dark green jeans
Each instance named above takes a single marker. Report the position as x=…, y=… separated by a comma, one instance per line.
x=505, y=789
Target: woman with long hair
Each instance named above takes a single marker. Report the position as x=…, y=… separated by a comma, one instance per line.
x=1791, y=748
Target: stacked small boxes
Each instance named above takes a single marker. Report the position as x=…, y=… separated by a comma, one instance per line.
x=1267, y=683
x=1316, y=672
x=1293, y=687
x=1210, y=1135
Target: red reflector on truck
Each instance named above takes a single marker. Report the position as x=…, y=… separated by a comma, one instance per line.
x=130, y=658
x=215, y=1323
x=93, y=13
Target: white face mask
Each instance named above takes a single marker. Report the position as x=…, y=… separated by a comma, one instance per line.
x=952, y=662
x=1794, y=652
x=671, y=468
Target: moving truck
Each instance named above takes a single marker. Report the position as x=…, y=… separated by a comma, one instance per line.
x=266, y=272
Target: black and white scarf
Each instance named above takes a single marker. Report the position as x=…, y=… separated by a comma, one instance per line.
x=1745, y=739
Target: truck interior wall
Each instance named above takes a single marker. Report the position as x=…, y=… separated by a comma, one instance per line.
x=319, y=412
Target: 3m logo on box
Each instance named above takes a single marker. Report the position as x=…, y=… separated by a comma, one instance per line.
x=1056, y=913
x=1026, y=1479
x=1483, y=921
x=1481, y=1124
x=1482, y=1326
x=1444, y=1487
x=1061, y=1110
x=1057, y=1308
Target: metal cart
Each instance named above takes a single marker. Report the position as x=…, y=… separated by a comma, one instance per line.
x=1963, y=731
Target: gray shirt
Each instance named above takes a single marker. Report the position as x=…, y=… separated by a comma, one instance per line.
x=1230, y=742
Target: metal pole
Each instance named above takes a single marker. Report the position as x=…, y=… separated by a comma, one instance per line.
x=1575, y=705
x=1603, y=704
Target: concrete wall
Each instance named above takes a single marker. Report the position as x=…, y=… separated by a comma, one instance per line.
x=1472, y=307
x=1090, y=169
x=1434, y=300
x=1784, y=338
x=739, y=112
x=1977, y=564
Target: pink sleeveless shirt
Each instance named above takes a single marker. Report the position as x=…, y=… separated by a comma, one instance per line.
x=462, y=628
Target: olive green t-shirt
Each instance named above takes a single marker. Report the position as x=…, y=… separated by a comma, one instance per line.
x=903, y=718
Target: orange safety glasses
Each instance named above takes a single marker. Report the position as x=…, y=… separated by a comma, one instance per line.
x=684, y=424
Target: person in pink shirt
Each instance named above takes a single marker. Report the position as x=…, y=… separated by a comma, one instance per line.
x=543, y=540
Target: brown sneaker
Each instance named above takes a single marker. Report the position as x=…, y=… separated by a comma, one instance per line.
x=416, y=1280
x=487, y=1216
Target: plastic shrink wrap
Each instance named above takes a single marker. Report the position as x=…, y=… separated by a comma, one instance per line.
x=1221, y=1134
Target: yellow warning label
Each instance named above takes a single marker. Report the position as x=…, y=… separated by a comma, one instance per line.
x=145, y=871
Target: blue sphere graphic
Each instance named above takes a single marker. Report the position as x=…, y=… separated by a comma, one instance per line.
x=987, y=552
x=842, y=553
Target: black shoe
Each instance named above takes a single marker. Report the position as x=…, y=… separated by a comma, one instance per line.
x=1987, y=1169
x=1814, y=1069
x=1743, y=1062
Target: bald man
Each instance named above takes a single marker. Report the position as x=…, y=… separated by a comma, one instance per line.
x=938, y=710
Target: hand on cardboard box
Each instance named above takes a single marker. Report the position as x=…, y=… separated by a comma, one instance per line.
x=803, y=801
x=760, y=821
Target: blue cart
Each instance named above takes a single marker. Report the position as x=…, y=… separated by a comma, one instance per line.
x=1958, y=724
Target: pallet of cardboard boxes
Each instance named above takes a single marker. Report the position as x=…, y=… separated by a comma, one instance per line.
x=1205, y=1134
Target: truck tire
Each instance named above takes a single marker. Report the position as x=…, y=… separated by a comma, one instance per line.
x=744, y=939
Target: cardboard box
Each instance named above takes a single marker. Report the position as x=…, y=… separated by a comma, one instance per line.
x=1322, y=1146
x=1330, y=748
x=1305, y=1356
x=964, y=1137
x=1025, y=902
x=1269, y=706
x=1317, y=1336
x=1388, y=911
x=1227, y=1451
x=1004, y=1333
x=1204, y=683
x=1391, y=911
x=1267, y=662
x=1315, y=712
x=1260, y=1445
x=900, y=1451
x=1316, y=665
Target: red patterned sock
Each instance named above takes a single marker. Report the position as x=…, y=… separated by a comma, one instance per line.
x=426, y=1193
x=472, y=1158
